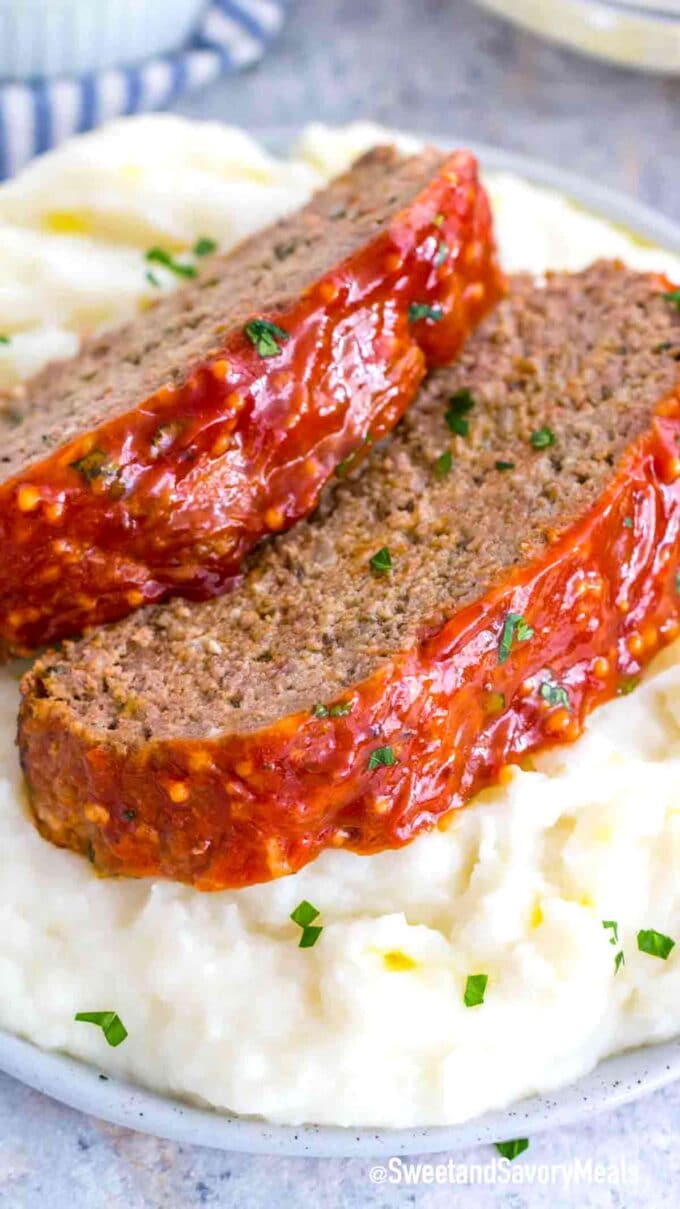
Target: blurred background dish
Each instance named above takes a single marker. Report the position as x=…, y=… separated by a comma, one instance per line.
x=66, y=66
x=644, y=34
x=66, y=37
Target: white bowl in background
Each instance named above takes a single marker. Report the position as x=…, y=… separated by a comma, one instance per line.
x=43, y=38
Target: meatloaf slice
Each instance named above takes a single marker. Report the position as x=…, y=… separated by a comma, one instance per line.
x=507, y=562
x=155, y=459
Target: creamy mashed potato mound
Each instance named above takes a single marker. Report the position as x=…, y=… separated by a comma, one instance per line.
x=368, y=1027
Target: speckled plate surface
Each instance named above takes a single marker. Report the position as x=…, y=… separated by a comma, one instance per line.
x=614, y=1082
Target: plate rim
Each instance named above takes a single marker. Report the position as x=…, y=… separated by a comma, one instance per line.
x=615, y=1081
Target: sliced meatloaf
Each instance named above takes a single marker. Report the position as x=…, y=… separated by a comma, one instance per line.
x=155, y=459
x=508, y=561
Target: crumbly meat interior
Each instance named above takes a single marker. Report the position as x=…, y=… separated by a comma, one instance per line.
x=116, y=371
x=587, y=356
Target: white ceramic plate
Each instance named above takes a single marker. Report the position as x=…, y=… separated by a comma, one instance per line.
x=614, y=1082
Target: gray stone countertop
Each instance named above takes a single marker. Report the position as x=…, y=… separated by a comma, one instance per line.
x=431, y=65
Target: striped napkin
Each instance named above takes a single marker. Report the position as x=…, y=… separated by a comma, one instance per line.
x=37, y=115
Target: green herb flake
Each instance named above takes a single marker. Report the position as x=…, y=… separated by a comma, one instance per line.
x=554, y=694
x=458, y=424
x=459, y=405
x=165, y=436
x=438, y=220
x=673, y=296
x=655, y=943
x=5, y=339
x=612, y=925
x=152, y=279
x=542, y=438
x=381, y=562
x=340, y=710
x=619, y=961
x=628, y=522
x=462, y=401
x=382, y=757
x=421, y=310
x=304, y=914
x=160, y=256
x=494, y=703
x=515, y=629
x=475, y=988
x=443, y=464
x=627, y=685
x=309, y=937
x=96, y=465
x=510, y=1150
x=442, y=253
x=347, y=463
x=204, y=246
x=265, y=336
x=500, y=465
x=110, y=1023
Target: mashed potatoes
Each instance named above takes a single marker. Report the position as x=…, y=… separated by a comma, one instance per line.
x=369, y=1026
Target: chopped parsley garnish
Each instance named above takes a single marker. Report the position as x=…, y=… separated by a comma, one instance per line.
x=674, y=297
x=612, y=925
x=109, y=1022
x=340, y=710
x=459, y=405
x=309, y=937
x=152, y=279
x=505, y=465
x=442, y=253
x=510, y=1150
x=654, y=943
x=515, y=629
x=160, y=256
x=628, y=522
x=381, y=562
x=265, y=336
x=382, y=757
x=542, y=438
x=443, y=464
x=475, y=988
x=627, y=685
x=554, y=694
x=494, y=703
x=96, y=465
x=204, y=246
x=4, y=339
x=421, y=310
x=619, y=961
x=165, y=435
x=458, y=424
x=347, y=463
x=304, y=916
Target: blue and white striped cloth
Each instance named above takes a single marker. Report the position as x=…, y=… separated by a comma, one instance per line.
x=37, y=115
